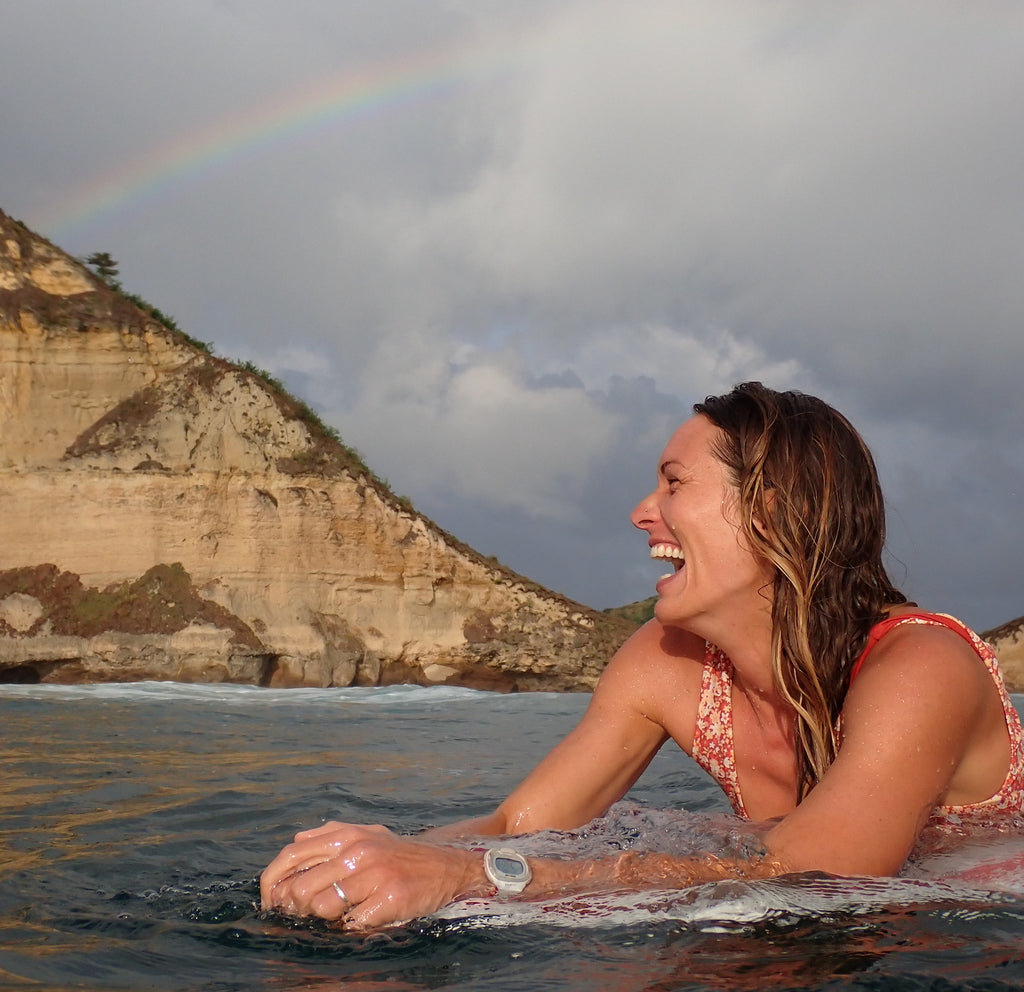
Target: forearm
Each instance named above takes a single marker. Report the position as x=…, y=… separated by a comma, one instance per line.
x=491, y=825
x=370, y=877
x=637, y=871
x=629, y=871
x=634, y=871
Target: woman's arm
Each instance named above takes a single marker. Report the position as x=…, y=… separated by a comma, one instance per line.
x=655, y=672
x=917, y=718
x=375, y=877
x=648, y=692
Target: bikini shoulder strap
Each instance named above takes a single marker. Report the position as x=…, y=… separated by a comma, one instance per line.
x=883, y=627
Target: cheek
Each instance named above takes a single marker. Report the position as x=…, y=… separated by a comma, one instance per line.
x=733, y=546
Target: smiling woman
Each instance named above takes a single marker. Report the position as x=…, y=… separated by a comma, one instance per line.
x=838, y=717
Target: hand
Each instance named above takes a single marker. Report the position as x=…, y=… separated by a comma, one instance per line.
x=382, y=878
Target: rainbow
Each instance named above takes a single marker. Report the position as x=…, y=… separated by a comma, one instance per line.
x=165, y=169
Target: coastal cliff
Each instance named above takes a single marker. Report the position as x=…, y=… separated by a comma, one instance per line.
x=1008, y=641
x=166, y=514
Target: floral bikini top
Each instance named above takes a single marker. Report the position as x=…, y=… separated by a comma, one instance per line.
x=713, y=742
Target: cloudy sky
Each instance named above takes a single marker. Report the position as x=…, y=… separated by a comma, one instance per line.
x=503, y=245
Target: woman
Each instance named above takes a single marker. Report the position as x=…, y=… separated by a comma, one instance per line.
x=780, y=656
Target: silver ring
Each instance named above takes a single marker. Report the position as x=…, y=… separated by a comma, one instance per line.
x=341, y=894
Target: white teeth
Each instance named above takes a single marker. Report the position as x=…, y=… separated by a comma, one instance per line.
x=667, y=551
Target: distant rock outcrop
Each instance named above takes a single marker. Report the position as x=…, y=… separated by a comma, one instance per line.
x=1008, y=641
x=166, y=514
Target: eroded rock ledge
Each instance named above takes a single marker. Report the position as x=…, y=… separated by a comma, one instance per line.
x=1008, y=641
x=55, y=630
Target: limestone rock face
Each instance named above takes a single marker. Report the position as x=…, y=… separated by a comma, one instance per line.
x=1008, y=641
x=125, y=447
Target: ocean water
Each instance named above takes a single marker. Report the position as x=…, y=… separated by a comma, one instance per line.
x=135, y=820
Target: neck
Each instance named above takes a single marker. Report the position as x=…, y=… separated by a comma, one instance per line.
x=748, y=646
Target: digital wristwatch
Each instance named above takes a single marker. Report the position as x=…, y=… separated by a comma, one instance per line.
x=508, y=870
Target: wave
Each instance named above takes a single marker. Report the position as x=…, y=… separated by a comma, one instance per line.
x=230, y=692
x=960, y=875
x=221, y=692
x=737, y=905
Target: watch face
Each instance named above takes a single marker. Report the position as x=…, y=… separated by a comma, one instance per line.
x=513, y=867
x=507, y=869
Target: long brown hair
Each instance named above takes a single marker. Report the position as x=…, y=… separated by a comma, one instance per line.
x=811, y=504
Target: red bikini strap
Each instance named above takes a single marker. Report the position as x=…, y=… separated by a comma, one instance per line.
x=883, y=627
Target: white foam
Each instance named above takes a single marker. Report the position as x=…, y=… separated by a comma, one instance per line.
x=967, y=874
x=730, y=905
x=221, y=692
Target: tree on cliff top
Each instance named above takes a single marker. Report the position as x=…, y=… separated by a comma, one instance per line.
x=105, y=266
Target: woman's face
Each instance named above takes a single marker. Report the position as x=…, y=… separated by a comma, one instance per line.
x=692, y=523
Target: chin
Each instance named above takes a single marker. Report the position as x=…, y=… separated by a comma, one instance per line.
x=665, y=613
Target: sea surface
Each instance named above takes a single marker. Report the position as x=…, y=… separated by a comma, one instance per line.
x=135, y=820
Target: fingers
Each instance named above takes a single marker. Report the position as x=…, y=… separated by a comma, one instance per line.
x=285, y=868
x=310, y=894
x=328, y=889
x=316, y=893
x=365, y=876
x=333, y=827
x=288, y=864
x=310, y=849
x=407, y=880
x=329, y=827
x=370, y=914
x=331, y=904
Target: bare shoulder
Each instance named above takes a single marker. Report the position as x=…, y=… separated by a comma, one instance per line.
x=917, y=654
x=921, y=726
x=656, y=651
x=657, y=672
x=923, y=668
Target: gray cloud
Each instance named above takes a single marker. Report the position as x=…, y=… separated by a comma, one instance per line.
x=504, y=246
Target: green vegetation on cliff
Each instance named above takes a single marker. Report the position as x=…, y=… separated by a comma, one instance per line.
x=636, y=613
x=162, y=601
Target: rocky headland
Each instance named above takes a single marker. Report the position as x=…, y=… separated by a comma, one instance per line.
x=166, y=514
x=1008, y=641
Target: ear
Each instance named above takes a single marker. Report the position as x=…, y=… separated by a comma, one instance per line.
x=757, y=522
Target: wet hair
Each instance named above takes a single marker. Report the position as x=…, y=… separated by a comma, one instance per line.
x=810, y=504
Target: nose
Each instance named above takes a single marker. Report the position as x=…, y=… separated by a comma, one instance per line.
x=645, y=513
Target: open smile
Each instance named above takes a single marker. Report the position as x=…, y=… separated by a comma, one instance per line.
x=671, y=553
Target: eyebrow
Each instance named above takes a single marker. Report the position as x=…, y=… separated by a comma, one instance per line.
x=670, y=461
